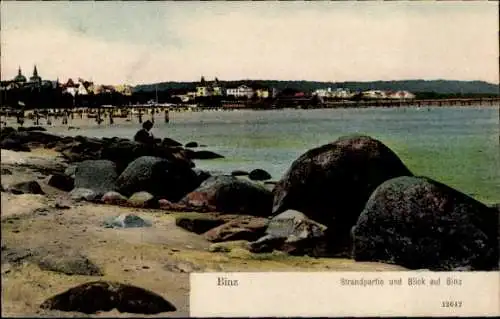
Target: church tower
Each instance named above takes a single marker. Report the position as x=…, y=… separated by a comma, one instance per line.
x=20, y=78
x=35, y=77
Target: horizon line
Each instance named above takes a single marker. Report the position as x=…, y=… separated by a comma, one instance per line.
x=210, y=79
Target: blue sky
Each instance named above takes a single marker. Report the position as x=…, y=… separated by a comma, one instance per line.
x=143, y=42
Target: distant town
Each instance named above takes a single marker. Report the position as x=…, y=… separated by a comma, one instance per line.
x=36, y=92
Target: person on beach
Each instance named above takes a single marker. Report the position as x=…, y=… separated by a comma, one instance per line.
x=20, y=118
x=144, y=135
x=167, y=117
x=140, y=116
x=65, y=118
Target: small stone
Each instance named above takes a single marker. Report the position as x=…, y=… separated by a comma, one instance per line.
x=114, y=198
x=86, y=194
x=259, y=175
x=127, y=221
x=6, y=171
x=30, y=187
x=228, y=246
x=142, y=200
x=62, y=204
x=198, y=223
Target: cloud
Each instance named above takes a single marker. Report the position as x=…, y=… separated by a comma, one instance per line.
x=267, y=41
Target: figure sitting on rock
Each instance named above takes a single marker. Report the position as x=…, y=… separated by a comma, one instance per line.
x=144, y=135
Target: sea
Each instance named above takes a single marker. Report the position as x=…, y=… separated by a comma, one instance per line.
x=458, y=146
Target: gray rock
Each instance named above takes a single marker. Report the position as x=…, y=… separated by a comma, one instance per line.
x=198, y=223
x=30, y=187
x=69, y=264
x=242, y=228
x=162, y=178
x=15, y=255
x=417, y=222
x=114, y=198
x=239, y=173
x=85, y=194
x=142, y=199
x=127, y=221
x=294, y=233
x=259, y=175
x=231, y=195
x=97, y=175
x=70, y=170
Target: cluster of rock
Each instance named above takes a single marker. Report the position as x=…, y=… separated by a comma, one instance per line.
x=352, y=197
x=355, y=198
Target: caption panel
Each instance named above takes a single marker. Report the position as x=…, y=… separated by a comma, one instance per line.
x=421, y=293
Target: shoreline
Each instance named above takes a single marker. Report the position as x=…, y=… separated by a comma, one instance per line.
x=90, y=122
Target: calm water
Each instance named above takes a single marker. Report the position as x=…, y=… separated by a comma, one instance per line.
x=457, y=146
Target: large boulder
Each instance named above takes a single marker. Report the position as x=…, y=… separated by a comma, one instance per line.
x=97, y=175
x=231, y=195
x=417, y=222
x=330, y=184
x=97, y=296
x=160, y=177
x=124, y=152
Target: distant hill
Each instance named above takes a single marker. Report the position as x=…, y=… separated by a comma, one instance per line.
x=416, y=86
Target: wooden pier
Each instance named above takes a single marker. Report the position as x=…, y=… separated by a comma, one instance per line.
x=414, y=103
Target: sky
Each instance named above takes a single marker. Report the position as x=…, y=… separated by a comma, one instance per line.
x=146, y=42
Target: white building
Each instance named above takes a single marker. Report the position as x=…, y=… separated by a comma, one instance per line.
x=402, y=95
x=375, y=94
x=240, y=91
x=337, y=93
